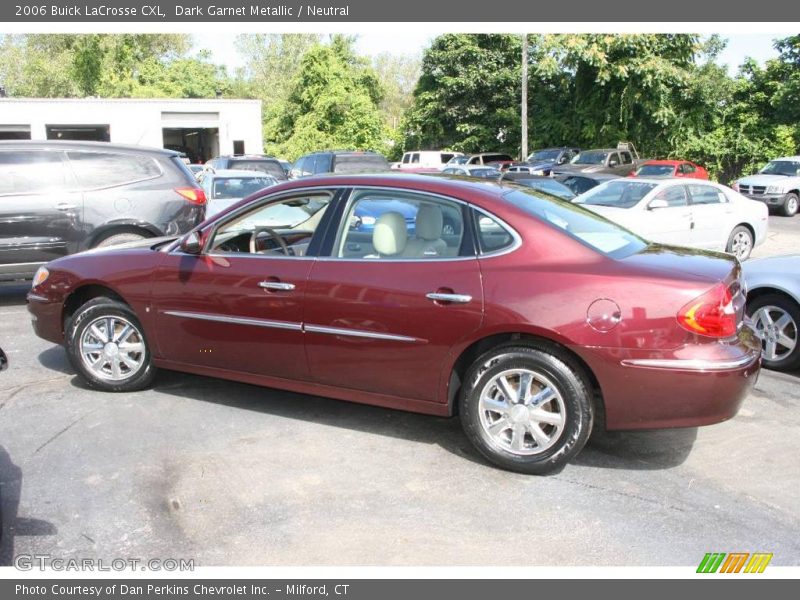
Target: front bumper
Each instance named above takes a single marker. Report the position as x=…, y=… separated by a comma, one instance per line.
x=46, y=317
x=768, y=199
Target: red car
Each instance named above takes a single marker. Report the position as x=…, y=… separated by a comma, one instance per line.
x=531, y=318
x=670, y=168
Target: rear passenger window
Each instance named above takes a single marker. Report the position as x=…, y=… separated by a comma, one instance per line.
x=492, y=236
x=705, y=194
x=33, y=173
x=96, y=170
x=398, y=225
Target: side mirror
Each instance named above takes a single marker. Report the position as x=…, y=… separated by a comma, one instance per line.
x=191, y=244
x=657, y=203
x=3, y=360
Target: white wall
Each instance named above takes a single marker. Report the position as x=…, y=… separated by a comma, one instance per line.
x=138, y=121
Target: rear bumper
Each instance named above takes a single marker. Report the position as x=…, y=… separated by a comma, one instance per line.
x=695, y=385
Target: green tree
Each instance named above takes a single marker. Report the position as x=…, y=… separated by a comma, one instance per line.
x=332, y=103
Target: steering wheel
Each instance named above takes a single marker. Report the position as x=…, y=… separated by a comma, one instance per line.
x=274, y=235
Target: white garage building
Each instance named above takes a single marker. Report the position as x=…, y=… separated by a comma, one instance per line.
x=200, y=128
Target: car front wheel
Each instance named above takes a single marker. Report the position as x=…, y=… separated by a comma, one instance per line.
x=526, y=408
x=107, y=347
x=790, y=204
x=776, y=319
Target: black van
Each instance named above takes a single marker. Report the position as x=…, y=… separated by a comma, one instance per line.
x=58, y=198
x=339, y=161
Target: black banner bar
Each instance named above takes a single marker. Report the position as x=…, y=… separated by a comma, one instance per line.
x=344, y=11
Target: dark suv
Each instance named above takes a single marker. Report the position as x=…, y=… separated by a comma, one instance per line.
x=57, y=198
x=339, y=161
x=249, y=162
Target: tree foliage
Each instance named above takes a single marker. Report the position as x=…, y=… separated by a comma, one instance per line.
x=332, y=103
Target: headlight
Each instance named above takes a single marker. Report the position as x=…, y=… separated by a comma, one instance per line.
x=735, y=186
x=776, y=189
x=537, y=172
x=367, y=220
x=41, y=276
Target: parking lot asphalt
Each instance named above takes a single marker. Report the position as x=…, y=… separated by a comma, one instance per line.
x=232, y=474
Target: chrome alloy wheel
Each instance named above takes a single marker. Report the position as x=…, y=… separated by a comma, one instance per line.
x=777, y=331
x=522, y=412
x=112, y=348
x=741, y=245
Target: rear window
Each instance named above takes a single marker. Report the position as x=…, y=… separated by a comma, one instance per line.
x=229, y=188
x=96, y=170
x=270, y=167
x=578, y=223
x=655, y=171
x=593, y=157
x=360, y=163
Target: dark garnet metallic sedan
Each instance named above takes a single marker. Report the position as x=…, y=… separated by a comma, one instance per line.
x=531, y=318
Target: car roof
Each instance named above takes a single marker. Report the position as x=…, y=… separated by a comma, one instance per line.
x=793, y=158
x=238, y=173
x=248, y=157
x=81, y=145
x=665, y=161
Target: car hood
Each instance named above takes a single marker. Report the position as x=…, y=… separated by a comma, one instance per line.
x=609, y=212
x=547, y=164
x=581, y=168
x=784, y=265
x=761, y=179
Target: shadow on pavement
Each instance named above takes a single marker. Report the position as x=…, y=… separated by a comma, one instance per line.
x=11, y=525
x=635, y=450
x=13, y=294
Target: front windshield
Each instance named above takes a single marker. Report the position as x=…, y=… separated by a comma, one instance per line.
x=578, y=223
x=789, y=168
x=289, y=214
x=458, y=160
x=360, y=163
x=233, y=188
x=544, y=155
x=617, y=193
x=655, y=171
x=592, y=157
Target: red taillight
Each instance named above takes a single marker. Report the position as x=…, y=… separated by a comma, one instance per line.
x=193, y=195
x=711, y=314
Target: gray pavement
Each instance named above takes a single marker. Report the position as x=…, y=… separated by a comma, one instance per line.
x=232, y=474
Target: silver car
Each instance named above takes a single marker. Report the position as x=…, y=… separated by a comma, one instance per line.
x=773, y=304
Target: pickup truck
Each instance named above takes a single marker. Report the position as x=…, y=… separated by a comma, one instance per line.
x=777, y=185
x=620, y=161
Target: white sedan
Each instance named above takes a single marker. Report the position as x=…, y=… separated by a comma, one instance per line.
x=698, y=214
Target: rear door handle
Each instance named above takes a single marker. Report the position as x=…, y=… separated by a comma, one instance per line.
x=63, y=206
x=279, y=286
x=454, y=298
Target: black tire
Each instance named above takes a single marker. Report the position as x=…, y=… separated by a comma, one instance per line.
x=90, y=313
x=740, y=242
x=118, y=238
x=570, y=383
x=789, y=206
x=790, y=361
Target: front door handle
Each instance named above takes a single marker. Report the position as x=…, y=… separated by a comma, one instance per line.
x=279, y=286
x=454, y=298
x=63, y=206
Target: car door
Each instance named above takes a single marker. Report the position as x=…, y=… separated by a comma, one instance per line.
x=670, y=223
x=711, y=214
x=238, y=306
x=41, y=208
x=385, y=308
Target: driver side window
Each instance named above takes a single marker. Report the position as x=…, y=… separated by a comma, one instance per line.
x=281, y=228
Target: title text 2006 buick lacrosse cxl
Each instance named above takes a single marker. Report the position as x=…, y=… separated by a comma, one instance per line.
x=531, y=318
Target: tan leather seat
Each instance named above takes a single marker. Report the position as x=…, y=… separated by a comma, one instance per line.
x=427, y=241
x=390, y=235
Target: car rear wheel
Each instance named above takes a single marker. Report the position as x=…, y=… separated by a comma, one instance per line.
x=776, y=319
x=119, y=238
x=740, y=243
x=526, y=408
x=790, y=203
x=107, y=347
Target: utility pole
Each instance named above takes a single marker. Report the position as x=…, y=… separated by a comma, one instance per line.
x=524, y=103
